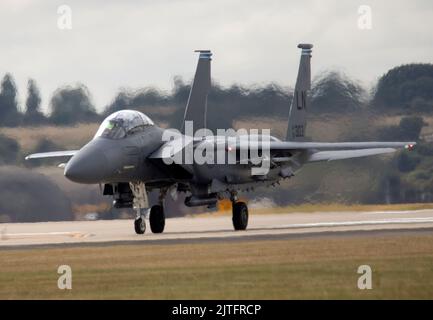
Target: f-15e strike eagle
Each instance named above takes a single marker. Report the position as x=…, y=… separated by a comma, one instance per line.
x=131, y=156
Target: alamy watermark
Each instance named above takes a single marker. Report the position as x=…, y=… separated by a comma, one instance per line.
x=365, y=281
x=65, y=280
x=64, y=19
x=365, y=19
x=228, y=146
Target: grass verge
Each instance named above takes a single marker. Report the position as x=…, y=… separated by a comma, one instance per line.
x=281, y=269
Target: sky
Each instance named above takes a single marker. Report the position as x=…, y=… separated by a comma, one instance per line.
x=133, y=44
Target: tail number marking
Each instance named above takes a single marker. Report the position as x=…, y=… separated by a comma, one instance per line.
x=298, y=131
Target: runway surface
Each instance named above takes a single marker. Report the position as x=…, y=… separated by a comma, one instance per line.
x=199, y=229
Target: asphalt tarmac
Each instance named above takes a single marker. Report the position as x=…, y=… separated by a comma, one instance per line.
x=215, y=228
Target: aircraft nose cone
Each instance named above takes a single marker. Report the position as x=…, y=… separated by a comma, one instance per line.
x=89, y=165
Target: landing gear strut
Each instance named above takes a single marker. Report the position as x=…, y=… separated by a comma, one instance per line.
x=140, y=203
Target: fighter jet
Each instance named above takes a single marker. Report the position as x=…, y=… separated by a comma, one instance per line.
x=130, y=155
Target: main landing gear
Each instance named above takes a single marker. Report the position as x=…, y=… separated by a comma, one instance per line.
x=156, y=219
x=156, y=214
x=240, y=213
x=240, y=216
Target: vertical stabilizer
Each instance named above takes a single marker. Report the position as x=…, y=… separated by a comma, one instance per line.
x=297, y=125
x=196, y=107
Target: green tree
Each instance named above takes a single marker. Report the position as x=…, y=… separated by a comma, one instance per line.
x=70, y=105
x=335, y=92
x=409, y=128
x=9, y=115
x=407, y=87
x=28, y=196
x=406, y=163
x=9, y=150
x=142, y=100
x=33, y=113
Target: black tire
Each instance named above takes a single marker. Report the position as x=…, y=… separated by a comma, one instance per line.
x=140, y=226
x=240, y=216
x=157, y=219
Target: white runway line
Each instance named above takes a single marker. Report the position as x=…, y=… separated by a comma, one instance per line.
x=353, y=223
x=72, y=234
x=397, y=212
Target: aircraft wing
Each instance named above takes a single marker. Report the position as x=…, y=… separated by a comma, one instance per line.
x=324, y=151
x=347, y=154
x=53, y=154
x=289, y=145
x=317, y=151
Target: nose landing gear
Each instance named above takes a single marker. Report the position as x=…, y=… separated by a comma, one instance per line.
x=140, y=225
x=155, y=215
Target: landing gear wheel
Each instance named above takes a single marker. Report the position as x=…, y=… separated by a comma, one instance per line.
x=157, y=219
x=140, y=226
x=240, y=216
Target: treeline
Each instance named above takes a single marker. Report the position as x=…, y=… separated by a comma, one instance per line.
x=405, y=89
x=68, y=105
x=332, y=93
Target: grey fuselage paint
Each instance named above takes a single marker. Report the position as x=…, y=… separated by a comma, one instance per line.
x=104, y=160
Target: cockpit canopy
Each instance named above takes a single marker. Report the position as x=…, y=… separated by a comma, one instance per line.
x=123, y=123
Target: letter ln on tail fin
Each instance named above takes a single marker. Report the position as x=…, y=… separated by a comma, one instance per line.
x=298, y=111
x=196, y=107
